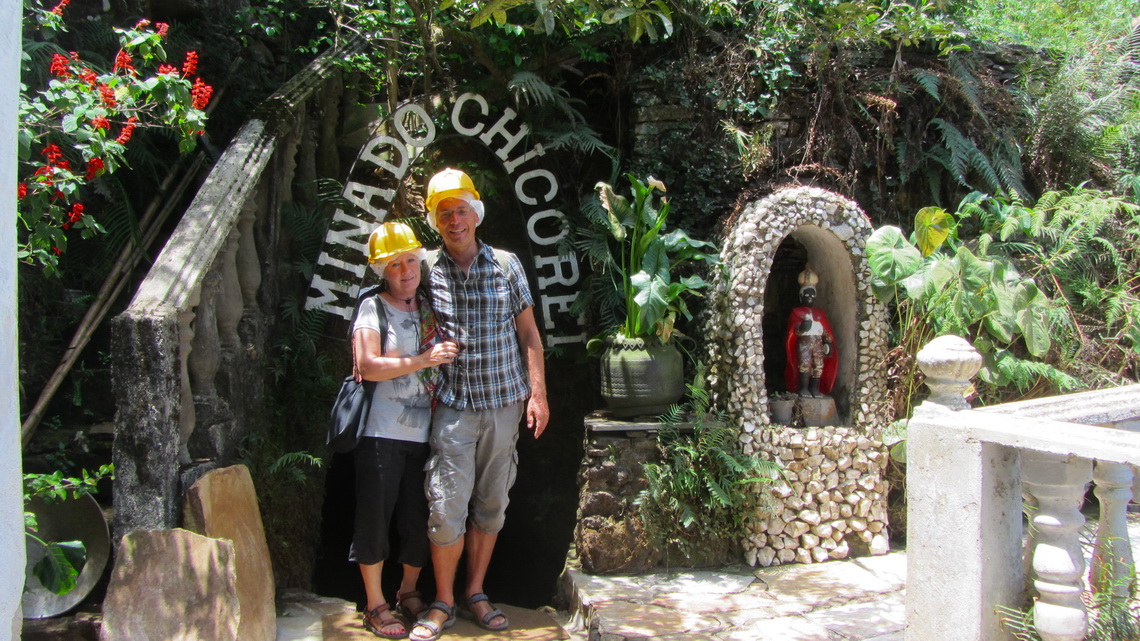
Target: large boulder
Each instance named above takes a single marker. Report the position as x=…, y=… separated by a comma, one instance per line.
x=172, y=585
x=222, y=505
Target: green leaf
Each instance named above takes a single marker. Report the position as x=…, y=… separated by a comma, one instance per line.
x=1030, y=305
x=70, y=123
x=931, y=228
x=891, y=256
x=61, y=565
x=610, y=16
x=1001, y=321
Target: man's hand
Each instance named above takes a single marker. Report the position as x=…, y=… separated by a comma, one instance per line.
x=537, y=414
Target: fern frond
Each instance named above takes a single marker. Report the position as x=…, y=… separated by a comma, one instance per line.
x=929, y=81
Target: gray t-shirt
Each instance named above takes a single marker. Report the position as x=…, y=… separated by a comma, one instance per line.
x=401, y=407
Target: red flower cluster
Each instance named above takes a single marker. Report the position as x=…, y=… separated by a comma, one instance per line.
x=21, y=190
x=191, y=64
x=164, y=69
x=142, y=23
x=76, y=213
x=123, y=61
x=108, y=95
x=100, y=122
x=60, y=67
x=200, y=94
x=128, y=130
x=94, y=167
x=58, y=10
x=88, y=76
x=53, y=154
x=162, y=29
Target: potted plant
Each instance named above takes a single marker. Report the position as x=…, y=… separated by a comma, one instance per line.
x=642, y=275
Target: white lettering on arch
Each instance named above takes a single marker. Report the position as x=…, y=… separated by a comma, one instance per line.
x=462, y=100
x=370, y=154
x=532, y=232
x=526, y=177
x=425, y=121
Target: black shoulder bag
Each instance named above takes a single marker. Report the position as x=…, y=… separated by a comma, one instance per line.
x=350, y=410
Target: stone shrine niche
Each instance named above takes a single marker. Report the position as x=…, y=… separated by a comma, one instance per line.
x=765, y=249
x=831, y=501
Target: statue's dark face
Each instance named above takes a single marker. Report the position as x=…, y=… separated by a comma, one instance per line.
x=807, y=297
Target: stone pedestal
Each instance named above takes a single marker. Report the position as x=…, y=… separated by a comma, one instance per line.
x=819, y=412
x=609, y=537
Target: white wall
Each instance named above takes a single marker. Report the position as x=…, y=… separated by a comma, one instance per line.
x=11, y=495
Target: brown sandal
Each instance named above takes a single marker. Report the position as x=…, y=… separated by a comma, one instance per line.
x=413, y=614
x=376, y=615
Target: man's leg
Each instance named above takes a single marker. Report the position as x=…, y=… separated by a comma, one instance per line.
x=480, y=545
x=445, y=561
x=496, y=465
x=449, y=481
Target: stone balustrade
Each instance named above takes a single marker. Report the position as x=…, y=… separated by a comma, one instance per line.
x=970, y=476
x=191, y=352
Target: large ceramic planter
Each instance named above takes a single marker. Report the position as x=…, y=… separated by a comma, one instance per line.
x=641, y=378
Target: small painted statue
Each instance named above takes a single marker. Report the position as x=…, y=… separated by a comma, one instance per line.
x=810, y=343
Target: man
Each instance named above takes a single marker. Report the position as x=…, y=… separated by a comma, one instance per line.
x=483, y=303
x=810, y=344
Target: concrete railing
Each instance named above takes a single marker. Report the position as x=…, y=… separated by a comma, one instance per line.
x=190, y=353
x=970, y=476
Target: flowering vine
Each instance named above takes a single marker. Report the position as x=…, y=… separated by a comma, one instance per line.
x=76, y=128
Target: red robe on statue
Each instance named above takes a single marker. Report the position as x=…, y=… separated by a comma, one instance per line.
x=830, y=362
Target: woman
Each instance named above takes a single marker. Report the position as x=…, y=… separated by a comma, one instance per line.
x=394, y=343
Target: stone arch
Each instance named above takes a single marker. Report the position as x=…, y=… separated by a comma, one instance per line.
x=830, y=232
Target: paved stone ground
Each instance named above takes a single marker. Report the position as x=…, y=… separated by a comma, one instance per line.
x=854, y=600
x=860, y=599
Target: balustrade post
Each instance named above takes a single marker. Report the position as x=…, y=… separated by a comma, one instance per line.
x=1112, y=552
x=229, y=301
x=1058, y=483
x=186, y=416
x=248, y=262
x=205, y=353
x=963, y=511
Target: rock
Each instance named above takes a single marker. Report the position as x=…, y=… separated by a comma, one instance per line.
x=601, y=504
x=809, y=540
x=809, y=517
x=765, y=557
x=803, y=555
x=172, y=585
x=819, y=555
x=796, y=529
x=619, y=548
x=840, y=552
x=880, y=544
x=223, y=505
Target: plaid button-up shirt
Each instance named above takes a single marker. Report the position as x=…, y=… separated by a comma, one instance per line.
x=477, y=310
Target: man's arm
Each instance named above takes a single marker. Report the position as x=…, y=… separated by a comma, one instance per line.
x=530, y=344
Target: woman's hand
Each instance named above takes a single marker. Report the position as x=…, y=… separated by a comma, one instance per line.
x=441, y=353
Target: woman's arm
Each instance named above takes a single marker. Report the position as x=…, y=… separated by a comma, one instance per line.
x=373, y=366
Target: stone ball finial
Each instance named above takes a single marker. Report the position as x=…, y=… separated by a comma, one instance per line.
x=949, y=362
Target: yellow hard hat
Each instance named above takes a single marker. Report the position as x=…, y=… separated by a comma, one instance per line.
x=449, y=183
x=390, y=240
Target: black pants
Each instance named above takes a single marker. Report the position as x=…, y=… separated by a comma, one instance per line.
x=390, y=482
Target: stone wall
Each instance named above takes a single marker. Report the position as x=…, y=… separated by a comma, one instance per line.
x=832, y=502
x=609, y=538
